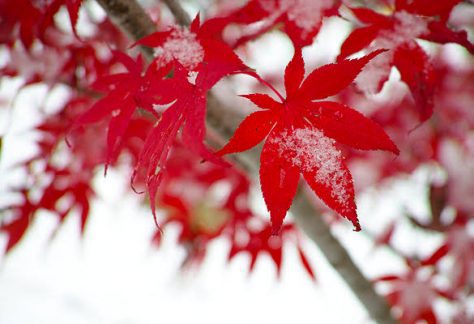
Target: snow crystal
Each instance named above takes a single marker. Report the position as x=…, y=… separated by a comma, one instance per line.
x=183, y=46
x=192, y=76
x=311, y=151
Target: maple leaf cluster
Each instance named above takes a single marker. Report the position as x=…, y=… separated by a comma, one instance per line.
x=150, y=114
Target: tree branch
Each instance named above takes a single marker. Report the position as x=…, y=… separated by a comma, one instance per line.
x=178, y=12
x=319, y=232
x=134, y=21
x=130, y=17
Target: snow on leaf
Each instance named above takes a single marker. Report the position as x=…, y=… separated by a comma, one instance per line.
x=305, y=14
x=192, y=47
x=298, y=142
x=304, y=18
x=175, y=44
x=199, y=60
x=320, y=161
x=406, y=28
x=398, y=32
x=309, y=150
x=181, y=45
x=200, y=51
x=300, y=19
x=375, y=74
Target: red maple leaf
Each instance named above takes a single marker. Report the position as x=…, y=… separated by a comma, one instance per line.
x=199, y=61
x=18, y=19
x=397, y=32
x=300, y=19
x=72, y=184
x=186, y=197
x=301, y=135
x=427, y=19
x=414, y=294
x=260, y=241
x=16, y=228
x=125, y=94
x=52, y=9
x=459, y=245
x=32, y=18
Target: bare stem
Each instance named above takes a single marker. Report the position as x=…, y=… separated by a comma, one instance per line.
x=134, y=21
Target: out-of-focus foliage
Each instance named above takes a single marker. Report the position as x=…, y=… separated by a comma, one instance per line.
x=150, y=117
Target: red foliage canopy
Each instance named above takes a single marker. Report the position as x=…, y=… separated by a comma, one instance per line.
x=151, y=116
